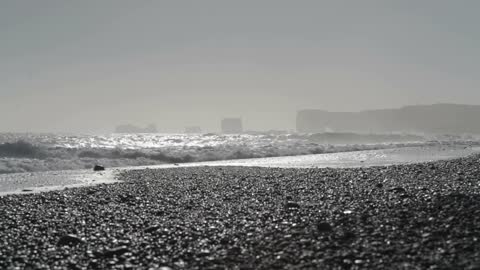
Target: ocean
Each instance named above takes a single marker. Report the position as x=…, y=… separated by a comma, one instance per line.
x=28, y=152
x=42, y=162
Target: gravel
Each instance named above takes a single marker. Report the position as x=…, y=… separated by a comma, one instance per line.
x=420, y=216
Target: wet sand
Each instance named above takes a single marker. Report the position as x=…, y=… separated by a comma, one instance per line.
x=23, y=183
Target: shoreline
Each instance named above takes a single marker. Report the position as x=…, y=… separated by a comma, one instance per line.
x=26, y=183
x=30, y=183
x=414, y=216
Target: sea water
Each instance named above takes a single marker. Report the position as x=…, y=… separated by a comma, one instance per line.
x=58, y=152
x=42, y=162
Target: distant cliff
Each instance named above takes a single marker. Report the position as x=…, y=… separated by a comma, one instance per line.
x=134, y=129
x=232, y=125
x=430, y=119
x=193, y=130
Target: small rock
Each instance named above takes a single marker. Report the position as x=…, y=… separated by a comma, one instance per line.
x=98, y=168
x=397, y=190
x=225, y=241
x=204, y=253
x=116, y=251
x=292, y=205
x=348, y=235
x=151, y=229
x=358, y=261
x=180, y=264
x=324, y=227
x=126, y=198
x=69, y=239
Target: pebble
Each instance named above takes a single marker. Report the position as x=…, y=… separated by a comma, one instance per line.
x=69, y=239
x=116, y=251
x=292, y=205
x=98, y=168
x=233, y=217
x=324, y=227
x=152, y=229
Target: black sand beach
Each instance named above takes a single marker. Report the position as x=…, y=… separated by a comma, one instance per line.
x=423, y=216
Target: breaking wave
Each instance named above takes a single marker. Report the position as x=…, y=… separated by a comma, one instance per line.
x=51, y=152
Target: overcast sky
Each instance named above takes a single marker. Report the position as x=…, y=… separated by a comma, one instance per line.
x=89, y=65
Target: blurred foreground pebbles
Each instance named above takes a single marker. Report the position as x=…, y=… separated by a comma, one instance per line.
x=423, y=216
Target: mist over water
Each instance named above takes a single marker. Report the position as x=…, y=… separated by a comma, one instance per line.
x=293, y=66
x=89, y=65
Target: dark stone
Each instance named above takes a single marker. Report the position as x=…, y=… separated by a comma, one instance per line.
x=69, y=239
x=126, y=198
x=348, y=235
x=116, y=251
x=152, y=229
x=397, y=190
x=292, y=205
x=98, y=168
x=324, y=227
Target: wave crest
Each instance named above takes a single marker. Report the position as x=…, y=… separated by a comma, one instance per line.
x=55, y=152
x=21, y=149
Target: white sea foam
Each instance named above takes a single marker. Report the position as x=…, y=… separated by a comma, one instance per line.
x=55, y=152
x=54, y=180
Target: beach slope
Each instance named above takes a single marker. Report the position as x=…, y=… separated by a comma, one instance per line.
x=416, y=216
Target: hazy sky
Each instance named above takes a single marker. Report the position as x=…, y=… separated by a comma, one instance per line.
x=89, y=65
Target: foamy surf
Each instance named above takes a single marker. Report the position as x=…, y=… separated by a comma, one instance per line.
x=55, y=152
x=55, y=180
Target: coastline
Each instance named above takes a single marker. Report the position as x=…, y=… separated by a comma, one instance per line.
x=413, y=216
x=25, y=183
x=28, y=183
